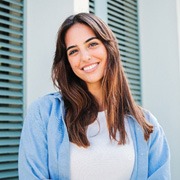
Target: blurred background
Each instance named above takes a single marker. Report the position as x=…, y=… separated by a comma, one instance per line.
x=148, y=33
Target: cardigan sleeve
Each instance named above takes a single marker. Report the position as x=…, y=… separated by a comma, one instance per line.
x=33, y=158
x=159, y=153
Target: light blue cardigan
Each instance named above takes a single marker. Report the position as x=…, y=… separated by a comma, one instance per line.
x=44, y=145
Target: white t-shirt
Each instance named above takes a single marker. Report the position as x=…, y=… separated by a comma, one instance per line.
x=104, y=159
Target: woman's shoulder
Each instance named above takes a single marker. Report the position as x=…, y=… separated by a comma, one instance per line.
x=46, y=101
x=45, y=106
x=149, y=116
x=49, y=98
x=158, y=134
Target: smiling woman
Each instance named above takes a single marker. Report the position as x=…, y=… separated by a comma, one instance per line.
x=91, y=128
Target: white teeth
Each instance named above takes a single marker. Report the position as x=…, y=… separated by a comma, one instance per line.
x=89, y=67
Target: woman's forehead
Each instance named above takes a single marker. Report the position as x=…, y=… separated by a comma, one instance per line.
x=78, y=33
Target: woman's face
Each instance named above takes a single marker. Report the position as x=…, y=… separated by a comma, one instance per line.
x=86, y=54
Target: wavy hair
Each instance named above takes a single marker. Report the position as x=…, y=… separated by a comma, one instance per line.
x=81, y=106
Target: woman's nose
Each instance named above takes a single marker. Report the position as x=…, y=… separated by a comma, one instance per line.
x=85, y=56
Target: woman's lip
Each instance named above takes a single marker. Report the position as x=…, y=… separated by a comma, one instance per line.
x=90, y=67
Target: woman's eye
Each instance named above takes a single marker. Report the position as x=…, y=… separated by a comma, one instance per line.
x=72, y=52
x=93, y=44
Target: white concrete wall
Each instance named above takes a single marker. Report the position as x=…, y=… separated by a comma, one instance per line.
x=178, y=24
x=42, y=23
x=160, y=66
x=101, y=10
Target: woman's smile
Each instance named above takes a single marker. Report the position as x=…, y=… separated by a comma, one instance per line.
x=91, y=67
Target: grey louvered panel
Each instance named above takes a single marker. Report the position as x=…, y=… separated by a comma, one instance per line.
x=128, y=45
x=132, y=76
x=14, y=32
x=10, y=174
x=10, y=133
x=11, y=62
x=132, y=72
x=11, y=24
x=127, y=49
x=11, y=69
x=129, y=5
x=9, y=142
x=10, y=125
x=4, y=166
x=130, y=60
x=7, y=15
x=117, y=9
x=131, y=23
x=12, y=101
x=135, y=83
x=92, y=6
x=11, y=93
x=11, y=54
x=9, y=158
x=10, y=38
x=12, y=46
x=123, y=20
x=10, y=8
x=128, y=31
x=11, y=85
x=131, y=66
x=119, y=4
x=18, y=3
x=11, y=117
x=125, y=31
x=9, y=149
x=14, y=110
x=11, y=77
x=125, y=39
x=133, y=2
x=126, y=54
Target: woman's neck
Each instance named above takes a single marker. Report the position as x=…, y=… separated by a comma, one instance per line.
x=97, y=92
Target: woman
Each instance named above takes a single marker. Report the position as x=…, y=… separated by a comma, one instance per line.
x=92, y=128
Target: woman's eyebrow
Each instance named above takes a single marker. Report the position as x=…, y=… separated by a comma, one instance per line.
x=73, y=46
x=90, y=39
x=70, y=47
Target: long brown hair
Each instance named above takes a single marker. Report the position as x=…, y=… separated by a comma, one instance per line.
x=80, y=105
